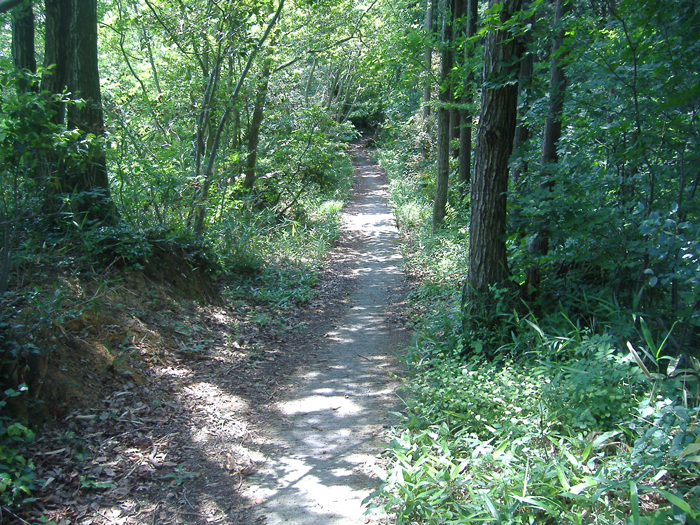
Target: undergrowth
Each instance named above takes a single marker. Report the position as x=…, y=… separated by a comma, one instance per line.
x=581, y=414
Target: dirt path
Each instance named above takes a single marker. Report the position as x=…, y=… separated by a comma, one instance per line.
x=327, y=430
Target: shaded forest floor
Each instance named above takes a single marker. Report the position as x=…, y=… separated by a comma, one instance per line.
x=139, y=384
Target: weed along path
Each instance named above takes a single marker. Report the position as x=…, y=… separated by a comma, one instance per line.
x=326, y=430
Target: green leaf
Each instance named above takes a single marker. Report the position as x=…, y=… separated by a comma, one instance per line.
x=500, y=448
x=675, y=500
x=562, y=477
x=492, y=508
x=690, y=449
x=638, y=359
x=634, y=502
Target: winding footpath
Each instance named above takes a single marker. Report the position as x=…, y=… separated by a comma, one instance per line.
x=321, y=449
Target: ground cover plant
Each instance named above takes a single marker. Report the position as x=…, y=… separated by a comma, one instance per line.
x=585, y=414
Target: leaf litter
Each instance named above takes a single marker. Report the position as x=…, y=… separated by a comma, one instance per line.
x=156, y=408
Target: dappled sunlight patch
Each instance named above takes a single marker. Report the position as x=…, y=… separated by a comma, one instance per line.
x=340, y=404
x=178, y=372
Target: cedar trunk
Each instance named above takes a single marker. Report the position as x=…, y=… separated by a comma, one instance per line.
x=70, y=59
x=465, y=116
x=444, y=131
x=487, y=247
x=84, y=81
x=23, y=55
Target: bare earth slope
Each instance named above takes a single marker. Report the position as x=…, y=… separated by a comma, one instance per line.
x=320, y=448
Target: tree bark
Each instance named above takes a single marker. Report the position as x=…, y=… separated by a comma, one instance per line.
x=465, y=116
x=57, y=51
x=455, y=119
x=23, y=54
x=255, y=123
x=522, y=131
x=488, y=263
x=557, y=87
x=84, y=82
x=70, y=59
x=428, y=70
x=444, y=132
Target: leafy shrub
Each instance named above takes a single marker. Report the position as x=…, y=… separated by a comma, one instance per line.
x=17, y=478
x=279, y=287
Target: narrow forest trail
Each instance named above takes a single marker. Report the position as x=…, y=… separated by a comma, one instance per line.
x=326, y=430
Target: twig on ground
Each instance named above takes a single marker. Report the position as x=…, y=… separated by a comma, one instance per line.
x=184, y=495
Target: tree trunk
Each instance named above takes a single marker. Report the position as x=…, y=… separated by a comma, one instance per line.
x=87, y=178
x=488, y=263
x=557, y=87
x=454, y=127
x=428, y=69
x=57, y=51
x=70, y=59
x=458, y=8
x=465, y=116
x=522, y=131
x=552, y=133
x=444, y=132
x=256, y=121
x=23, y=55
x=307, y=88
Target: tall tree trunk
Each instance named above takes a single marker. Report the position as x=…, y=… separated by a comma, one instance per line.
x=88, y=178
x=557, y=87
x=57, y=51
x=444, y=132
x=70, y=59
x=465, y=116
x=522, y=131
x=552, y=133
x=428, y=69
x=488, y=263
x=255, y=123
x=454, y=126
x=458, y=7
x=23, y=55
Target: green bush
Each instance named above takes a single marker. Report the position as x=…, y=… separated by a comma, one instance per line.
x=17, y=478
x=584, y=434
